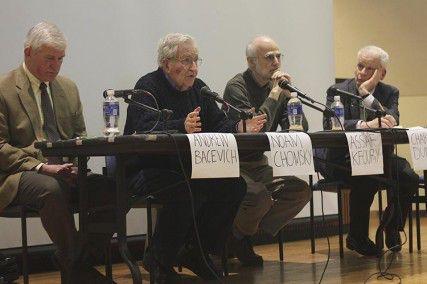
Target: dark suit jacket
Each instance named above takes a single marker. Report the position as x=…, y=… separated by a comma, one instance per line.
x=20, y=126
x=385, y=94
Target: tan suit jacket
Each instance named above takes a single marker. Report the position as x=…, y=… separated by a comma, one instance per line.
x=20, y=126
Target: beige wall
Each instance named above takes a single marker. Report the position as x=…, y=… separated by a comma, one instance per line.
x=400, y=27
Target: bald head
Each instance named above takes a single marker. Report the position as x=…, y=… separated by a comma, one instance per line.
x=263, y=57
x=259, y=42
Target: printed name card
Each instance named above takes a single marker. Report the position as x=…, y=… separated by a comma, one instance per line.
x=214, y=155
x=366, y=153
x=418, y=146
x=291, y=153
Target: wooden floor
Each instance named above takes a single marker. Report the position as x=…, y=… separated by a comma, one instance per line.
x=300, y=266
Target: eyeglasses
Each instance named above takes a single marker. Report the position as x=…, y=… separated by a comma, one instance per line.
x=361, y=66
x=187, y=62
x=270, y=56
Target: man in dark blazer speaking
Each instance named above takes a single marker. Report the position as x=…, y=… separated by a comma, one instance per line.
x=370, y=71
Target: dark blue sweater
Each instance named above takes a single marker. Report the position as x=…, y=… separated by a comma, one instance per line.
x=181, y=103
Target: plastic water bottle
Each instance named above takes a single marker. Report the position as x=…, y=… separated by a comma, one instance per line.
x=338, y=119
x=295, y=113
x=111, y=114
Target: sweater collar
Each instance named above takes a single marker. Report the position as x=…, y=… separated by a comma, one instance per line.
x=170, y=83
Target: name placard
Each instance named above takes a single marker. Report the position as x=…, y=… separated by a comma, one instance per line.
x=214, y=155
x=366, y=153
x=418, y=146
x=291, y=153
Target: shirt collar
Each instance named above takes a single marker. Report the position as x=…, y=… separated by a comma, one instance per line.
x=35, y=83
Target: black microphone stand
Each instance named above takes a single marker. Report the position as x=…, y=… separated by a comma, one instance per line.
x=164, y=113
x=326, y=111
x=300, y=94
x=378, y=114
x=243, y=114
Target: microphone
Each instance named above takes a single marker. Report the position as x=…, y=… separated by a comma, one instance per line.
x=206, y=92
x=165, y=113
x=284, y=84
x=345, y=93
x=376, y=105
x=123, y=93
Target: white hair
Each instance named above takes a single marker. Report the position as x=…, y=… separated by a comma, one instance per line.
x=45, y=33
x=376, y=52
x=168, y=46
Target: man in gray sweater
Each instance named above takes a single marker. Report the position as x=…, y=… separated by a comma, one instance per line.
x=265, y=205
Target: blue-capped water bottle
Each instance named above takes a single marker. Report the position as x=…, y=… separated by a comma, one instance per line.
x=295, y=113
x=338, y=109
x=111, y=111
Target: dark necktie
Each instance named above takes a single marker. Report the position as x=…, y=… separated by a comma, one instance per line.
x=49, y=124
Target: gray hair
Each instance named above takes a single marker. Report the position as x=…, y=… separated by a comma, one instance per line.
x=252, y=48
x=45, y=33
x=376, y=52
x=168, y=46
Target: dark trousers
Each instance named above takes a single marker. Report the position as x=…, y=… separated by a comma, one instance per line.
x=52, y=196
x=362, y=194
x=215, y=204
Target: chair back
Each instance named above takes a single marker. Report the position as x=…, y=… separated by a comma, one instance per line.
x=110, y=166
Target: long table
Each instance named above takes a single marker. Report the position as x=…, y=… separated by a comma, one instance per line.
x=164, y=143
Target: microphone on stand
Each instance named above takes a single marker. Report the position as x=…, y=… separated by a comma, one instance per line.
x=243, y=114
x=345, y=93
x=124, y=93
x=284, y=84
x=164, y=113
x=206, y=92
x=376, y=105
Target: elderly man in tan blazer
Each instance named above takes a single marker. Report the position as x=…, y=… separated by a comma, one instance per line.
x=38, y=104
